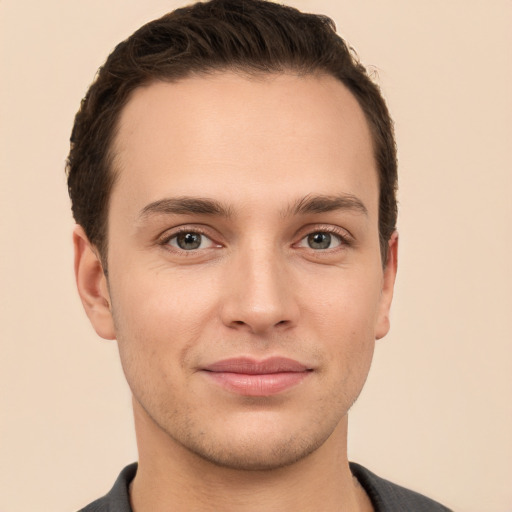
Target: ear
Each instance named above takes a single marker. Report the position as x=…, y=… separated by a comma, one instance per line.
x=388, y=285
x=92, y=285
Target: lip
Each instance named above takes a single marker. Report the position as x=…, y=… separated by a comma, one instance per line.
x=250, y=377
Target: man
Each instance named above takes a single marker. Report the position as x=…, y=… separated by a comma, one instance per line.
x=233, y=175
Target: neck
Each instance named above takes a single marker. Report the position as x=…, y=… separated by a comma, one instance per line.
x=169, y=476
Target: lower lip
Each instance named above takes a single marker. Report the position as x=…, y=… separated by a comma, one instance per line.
x=265, y=384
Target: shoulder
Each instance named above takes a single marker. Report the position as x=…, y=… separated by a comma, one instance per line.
x=117, y=499
x=389, y=497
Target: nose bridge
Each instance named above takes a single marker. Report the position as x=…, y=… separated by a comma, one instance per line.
x=261, y=297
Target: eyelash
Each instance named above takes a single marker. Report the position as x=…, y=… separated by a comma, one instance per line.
x=345, y=239
x=183, y=229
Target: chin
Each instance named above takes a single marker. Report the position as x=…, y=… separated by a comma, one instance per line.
x=253, y=445
x=256, y=454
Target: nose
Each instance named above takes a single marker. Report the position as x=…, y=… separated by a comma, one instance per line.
x=259, y=295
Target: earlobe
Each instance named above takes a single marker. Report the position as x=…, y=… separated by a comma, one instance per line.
x=92, y=285
x=388, y=285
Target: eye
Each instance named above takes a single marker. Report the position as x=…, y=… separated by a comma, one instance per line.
x=190, y=241
x=321, y=240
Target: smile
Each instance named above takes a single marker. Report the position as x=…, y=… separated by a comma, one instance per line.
x=249, y=377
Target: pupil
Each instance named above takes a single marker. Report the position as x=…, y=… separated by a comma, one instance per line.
x=189, y=240
x=319, y=240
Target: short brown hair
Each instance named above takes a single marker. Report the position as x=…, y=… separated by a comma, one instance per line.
x=254, y=36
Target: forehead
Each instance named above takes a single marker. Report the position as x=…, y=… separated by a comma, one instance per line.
x=238, y=137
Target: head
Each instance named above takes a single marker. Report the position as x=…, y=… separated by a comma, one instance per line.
x=253, y=37
x=235, y=168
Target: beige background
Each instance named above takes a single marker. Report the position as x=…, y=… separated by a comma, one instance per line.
x=436, y=414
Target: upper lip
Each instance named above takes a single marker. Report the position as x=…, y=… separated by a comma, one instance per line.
x=249, y=366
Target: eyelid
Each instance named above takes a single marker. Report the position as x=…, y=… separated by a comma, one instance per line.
x=168, y=235
x=339, y=242
x=344, y=235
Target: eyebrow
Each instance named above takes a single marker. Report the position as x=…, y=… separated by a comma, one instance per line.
x=326, y=203
x=184, y=206
x=310, y=204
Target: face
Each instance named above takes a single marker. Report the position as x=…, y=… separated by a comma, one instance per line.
x=245, y=285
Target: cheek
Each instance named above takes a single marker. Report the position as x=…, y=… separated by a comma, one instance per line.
x=349, y=303
x=157, y=320
x=151, y=338
x=351, y=354
x=161, y=300
x=346, y=319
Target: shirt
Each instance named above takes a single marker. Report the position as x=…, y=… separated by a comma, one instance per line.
x=385, y=496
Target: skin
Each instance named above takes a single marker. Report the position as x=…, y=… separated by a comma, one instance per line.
x=255, y=287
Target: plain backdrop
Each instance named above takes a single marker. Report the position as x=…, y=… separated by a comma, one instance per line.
x=436, y=414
